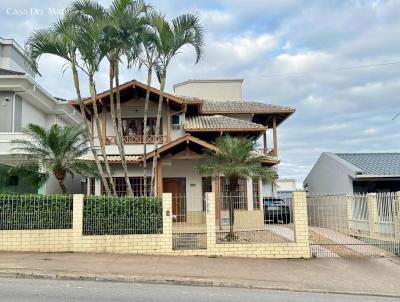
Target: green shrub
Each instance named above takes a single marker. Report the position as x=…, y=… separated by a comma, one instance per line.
x=106, y=215
x=35, y=212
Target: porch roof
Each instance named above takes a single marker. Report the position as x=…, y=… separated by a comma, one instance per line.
x=220, y=123
x=186, y=140
x=131, y=90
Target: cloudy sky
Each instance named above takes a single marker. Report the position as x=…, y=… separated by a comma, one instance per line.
x=302, y=54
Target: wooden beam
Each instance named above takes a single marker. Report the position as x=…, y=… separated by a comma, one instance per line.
x=104, y=125
x=217, y=192
x=159, y=179
x=168, y=122
x=275, y=136
x=265, y=140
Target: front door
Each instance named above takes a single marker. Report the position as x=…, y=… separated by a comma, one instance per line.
x=177, y=186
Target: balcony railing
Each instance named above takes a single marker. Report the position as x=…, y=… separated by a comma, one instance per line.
x=267, y=151
x=138, y=139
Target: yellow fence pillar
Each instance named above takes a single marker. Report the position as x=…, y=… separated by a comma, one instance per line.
x=372, y=215
x=77, y=221
x=350, y=214
x=211, y=222
x=167, y=221
x=397, y=216
x=299, y=201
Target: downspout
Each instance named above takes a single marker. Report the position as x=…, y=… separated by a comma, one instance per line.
x=13, y=113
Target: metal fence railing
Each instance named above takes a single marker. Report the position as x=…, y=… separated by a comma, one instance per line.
x=107, y=215
x=189, y=229
x=35, y=212
x=353, y=224
x=272, y=222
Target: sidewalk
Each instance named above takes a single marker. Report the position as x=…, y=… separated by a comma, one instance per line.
x=374, y=276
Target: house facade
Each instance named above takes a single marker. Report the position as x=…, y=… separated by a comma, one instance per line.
x=192, y=118
x=354, y=173
x=23, y=101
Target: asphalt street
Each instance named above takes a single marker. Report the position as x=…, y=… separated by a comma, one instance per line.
x=64, y=290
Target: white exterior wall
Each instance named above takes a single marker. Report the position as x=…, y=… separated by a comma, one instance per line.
x=218, y=90
x=329, y=176
x=268, y=190
x=287, y=185
x=184, y=169
x=31, y=114
x=11, y=58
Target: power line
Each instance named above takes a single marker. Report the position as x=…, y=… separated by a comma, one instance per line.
x=327, y=70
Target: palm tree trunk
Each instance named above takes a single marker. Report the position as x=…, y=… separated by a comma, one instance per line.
x=119, y=118
x=232, y=187
x=231, y=215
x=146, y=112
x=99, y=132
x=117, y=133
x=157, y=132
x=90, y=135
x=60, y=176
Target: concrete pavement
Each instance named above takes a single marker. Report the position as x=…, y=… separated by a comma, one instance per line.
x=21, y=290
x=372, y=276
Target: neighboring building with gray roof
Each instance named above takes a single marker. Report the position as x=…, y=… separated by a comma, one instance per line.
x=354, y=172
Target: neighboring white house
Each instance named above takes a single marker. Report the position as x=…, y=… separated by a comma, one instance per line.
x=285, y=186
x=23, y=101
x=354, y=173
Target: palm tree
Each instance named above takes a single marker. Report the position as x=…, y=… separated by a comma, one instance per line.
x=56, y=151
x=59, y=41
x=184, y=30
x=91, y=20
x=237, y=158
x=146, y=55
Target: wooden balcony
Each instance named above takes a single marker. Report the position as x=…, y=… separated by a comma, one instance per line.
x=267, y=151
x=138, y=139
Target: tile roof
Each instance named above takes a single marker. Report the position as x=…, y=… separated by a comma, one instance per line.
x=210, y=106
x=218, y=122
x=384, y=164
x=10, y=72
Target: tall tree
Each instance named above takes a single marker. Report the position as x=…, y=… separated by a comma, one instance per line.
x=91, y=20
x=237, y=158
x=56, y=151
x=146, y=55
x=183, y=30
x=127, y=21
x=59, y=40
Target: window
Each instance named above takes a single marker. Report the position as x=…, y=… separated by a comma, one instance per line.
x=206, y=187
x=137, y=184
x=92, y=182
x=13, y=181
x=256, y=194
x=175, y=119
x=135, y=126
x=239, y=197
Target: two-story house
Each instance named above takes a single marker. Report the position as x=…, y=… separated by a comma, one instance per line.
x=23, y=101
x=192, y=118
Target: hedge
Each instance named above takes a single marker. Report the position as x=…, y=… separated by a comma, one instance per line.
x=35, y=212
x=106, y=215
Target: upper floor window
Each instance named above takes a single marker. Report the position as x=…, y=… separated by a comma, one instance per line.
x=135, y=126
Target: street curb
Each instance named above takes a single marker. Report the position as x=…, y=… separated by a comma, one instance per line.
x=185, y=281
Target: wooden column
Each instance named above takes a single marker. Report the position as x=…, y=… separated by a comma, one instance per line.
x=159, y=178
x=104, y=125
x=275, y=136
x=217, y=189
x=168, y=122
x=265, y=142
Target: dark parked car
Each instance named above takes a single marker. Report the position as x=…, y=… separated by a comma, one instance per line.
x=276, y=210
